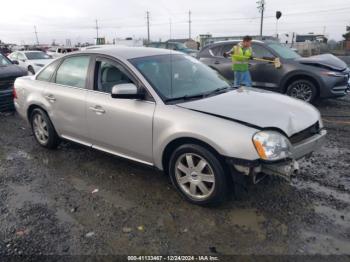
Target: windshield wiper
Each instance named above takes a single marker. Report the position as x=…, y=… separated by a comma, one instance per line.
x=185, y=97
x=218, y=91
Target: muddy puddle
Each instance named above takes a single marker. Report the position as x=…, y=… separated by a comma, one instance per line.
x=249, y=219
x=111, y=197
x=323, y=190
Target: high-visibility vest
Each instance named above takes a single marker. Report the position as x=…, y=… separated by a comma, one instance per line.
x=240, y=58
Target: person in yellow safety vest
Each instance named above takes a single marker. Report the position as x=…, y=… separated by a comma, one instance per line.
x=241, y=54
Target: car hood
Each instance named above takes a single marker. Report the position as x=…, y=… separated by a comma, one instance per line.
x=327, y=60
x=41, y=61
x=259, y=109
x=11, y=71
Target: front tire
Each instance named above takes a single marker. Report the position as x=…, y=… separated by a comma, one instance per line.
x=302, y=89
x=198, y=175
x=44, y=132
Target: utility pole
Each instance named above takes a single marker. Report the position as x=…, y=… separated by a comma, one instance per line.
x=96, y=27
x=261, y=7
x=189, y=24
x=148, y=34
x=36, y=35
x=170, y=23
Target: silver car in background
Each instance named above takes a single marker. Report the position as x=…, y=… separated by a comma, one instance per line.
x=166, y=109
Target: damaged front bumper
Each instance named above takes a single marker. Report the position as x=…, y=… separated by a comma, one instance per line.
x=287, y=168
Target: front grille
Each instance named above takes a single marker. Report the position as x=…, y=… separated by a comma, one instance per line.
x=305, y=134
x=6, y=84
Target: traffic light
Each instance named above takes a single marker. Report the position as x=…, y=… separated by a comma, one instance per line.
x=278, y=14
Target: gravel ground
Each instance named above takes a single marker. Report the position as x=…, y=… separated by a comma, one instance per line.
x=47, y=204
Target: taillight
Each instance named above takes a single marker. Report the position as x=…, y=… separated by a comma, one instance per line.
x=14, y=93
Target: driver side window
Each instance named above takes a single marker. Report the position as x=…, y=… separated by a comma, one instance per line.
x=14, y=56
x=20, y=57
x=107, y=75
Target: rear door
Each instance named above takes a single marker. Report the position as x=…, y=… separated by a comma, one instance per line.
x=224, y=64
x=66, y=95
x=215, y=59
x=119, y=126
x=264, y=74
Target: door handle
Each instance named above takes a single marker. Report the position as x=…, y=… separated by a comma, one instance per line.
x=51, y=98
x=216, y=62
x=97, y=109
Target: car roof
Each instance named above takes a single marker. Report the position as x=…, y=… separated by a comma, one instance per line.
x=131, y=52
x=233, y=41
x=31, y=51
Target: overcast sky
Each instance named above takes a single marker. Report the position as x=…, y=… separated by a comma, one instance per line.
x=75, y=19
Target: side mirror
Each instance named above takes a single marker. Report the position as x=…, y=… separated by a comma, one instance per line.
x=15, y=62
x=127, y=91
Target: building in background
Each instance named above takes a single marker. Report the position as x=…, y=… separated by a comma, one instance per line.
x=189, y=43
x=347, y=39
x=129, y=41
x=305, y=44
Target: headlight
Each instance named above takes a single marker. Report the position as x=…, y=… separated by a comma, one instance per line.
x=272, y=145
x=40, y=65
x=332, y=73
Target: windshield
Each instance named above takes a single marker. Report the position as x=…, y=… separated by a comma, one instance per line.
x=283, y=51
x=37, y=55
x=176, y=76
x=4, y=61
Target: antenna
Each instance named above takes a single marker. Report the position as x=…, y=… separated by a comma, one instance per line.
x=36, y=35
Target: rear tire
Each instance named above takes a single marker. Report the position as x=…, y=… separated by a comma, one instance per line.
x=31, y=70
x=43, y=130
x=302, y=89
x=198, y=175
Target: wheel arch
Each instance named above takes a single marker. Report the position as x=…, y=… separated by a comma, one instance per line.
x=31, y=109
x=172, y=145
x=300, y=76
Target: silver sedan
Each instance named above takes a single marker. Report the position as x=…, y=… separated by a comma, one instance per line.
x=166, y=109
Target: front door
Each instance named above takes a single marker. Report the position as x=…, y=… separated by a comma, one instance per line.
x=264, y=74
x=119, y=126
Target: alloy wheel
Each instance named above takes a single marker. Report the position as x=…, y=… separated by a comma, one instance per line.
x=40, y=129
x=302, y=90
x=195, y=176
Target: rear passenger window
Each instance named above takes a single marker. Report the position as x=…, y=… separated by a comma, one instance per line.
x=216, y=51
x=47, y=72
x=73, y=71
